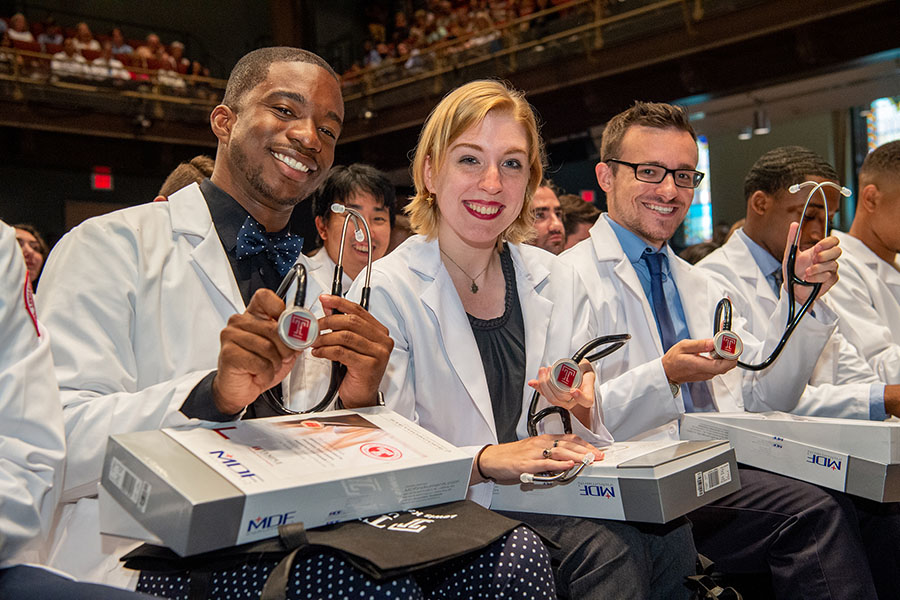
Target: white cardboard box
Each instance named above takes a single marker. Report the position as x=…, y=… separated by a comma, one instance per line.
x=649, y=481
x=858, y=457
x=201, y=489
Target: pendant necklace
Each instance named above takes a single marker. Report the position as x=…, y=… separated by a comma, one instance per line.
x=474, y=286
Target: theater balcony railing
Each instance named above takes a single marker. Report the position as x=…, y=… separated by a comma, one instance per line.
x=156, y=105
x=536, y=41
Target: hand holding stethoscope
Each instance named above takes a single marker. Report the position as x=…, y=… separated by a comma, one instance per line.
x=820, y=260
x=569, y=386
x=298, y=328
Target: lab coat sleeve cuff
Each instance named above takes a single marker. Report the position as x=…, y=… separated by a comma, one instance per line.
x=200, y=404
x=876, y=403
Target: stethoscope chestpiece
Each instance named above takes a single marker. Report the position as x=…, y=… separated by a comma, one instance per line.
x=565, y=375
x=298, y=328
x=728, y=345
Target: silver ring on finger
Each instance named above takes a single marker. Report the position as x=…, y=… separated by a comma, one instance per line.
x=547, y=452
x=555, y=443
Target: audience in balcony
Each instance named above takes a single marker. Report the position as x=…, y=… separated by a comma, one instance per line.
x=8, y=58
x=52, y=34
x=477, y=22
x=18, y=29
x=84, y=39
x=107, y=67
x=176, y=59
x=107, y=59
x=119, y=45
x=151, y=50
x=69, y=63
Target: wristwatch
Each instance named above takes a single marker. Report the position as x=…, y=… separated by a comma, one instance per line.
x=675, y=388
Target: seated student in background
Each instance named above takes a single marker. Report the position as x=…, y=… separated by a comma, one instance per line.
x=187, y=172
x=34, y=249
x=549, y=232
x=475, y=315
x=164, y=314
x=842, y=384
x=367, y=190
x=32, y=443
x=867, y=297
x=805, y=537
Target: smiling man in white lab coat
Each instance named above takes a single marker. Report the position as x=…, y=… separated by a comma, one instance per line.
x=800, y=533
x=867, y=297
x=165, y=312
x=158, y=312
x=842, y=384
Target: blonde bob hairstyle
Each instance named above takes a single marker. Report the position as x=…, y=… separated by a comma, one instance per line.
x=465, y=107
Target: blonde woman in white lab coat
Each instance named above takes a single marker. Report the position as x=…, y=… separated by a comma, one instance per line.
x=476, y=317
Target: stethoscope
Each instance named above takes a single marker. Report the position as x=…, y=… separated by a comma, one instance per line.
x=298, y=328
x=566, y=375
x=726, y=343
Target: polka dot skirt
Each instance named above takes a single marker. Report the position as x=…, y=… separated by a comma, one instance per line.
x=516, y=566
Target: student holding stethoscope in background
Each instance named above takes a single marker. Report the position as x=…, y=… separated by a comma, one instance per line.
x=476, y=318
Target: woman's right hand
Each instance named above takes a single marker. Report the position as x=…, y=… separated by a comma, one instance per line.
x=506, y=462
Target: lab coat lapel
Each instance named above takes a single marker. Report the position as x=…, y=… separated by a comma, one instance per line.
x=441, y=298
x=191, y=219
x=608, y=249
x=536, y=311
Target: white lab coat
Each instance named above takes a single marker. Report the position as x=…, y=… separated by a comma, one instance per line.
x=435, y=375
x=867, y=299
x=321, y=268
x=842, y=380
x=32, y=441
x=633, y=387
x=136, y=300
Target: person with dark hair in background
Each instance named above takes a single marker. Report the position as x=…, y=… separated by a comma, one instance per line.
x=549, y=232
x=578, y=218
x=187, y=172
x=34, y=248
x=164, y=314
x=867, y=297
x=367, y=190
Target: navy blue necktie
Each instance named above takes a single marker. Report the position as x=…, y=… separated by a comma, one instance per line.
x=778, y=279
x=280, y=248
x=699, y=397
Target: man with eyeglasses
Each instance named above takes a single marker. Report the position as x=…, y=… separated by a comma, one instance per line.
x=807, y=539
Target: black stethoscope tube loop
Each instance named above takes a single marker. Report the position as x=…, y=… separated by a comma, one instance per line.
x=615, y=342
x=793, y=320
x=337, y=369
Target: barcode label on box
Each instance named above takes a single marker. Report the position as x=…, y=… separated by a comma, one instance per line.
x=710, y=480
x=135, y=489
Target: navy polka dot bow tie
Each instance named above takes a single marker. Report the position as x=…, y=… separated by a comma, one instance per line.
x=281, y=248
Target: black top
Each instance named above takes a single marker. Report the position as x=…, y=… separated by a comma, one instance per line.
x=501, y=343
x=251, y=273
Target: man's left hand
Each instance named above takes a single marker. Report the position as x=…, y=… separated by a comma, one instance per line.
x=359, y=342
x=817, y=265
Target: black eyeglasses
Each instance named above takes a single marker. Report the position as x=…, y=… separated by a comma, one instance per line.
x=685, y=178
